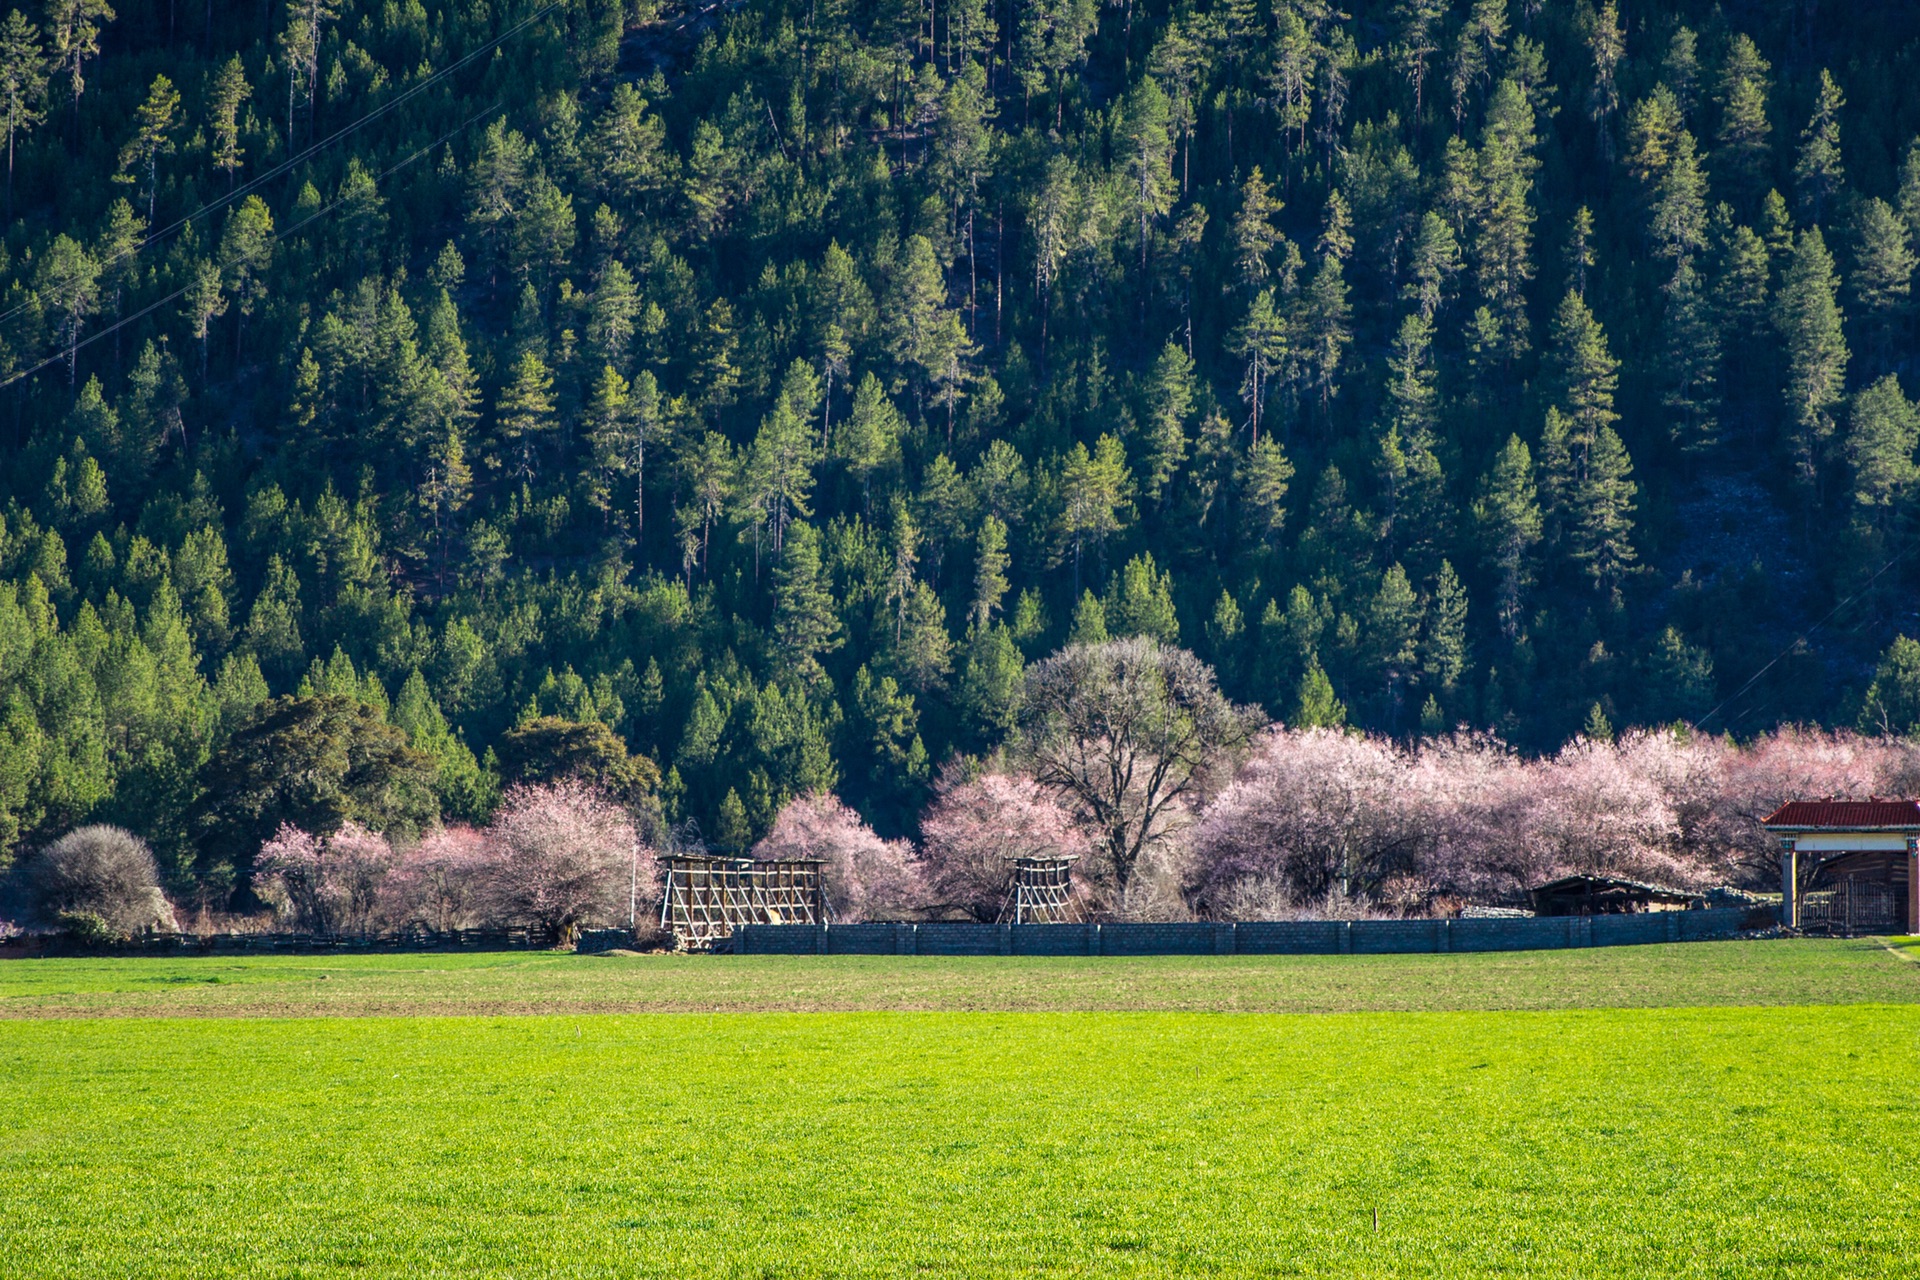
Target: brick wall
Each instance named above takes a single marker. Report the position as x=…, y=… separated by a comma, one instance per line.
x=1275, y=937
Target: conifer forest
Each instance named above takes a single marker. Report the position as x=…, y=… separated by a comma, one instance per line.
x=738, y=396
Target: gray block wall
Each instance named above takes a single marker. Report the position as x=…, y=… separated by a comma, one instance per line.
x=1276, y=937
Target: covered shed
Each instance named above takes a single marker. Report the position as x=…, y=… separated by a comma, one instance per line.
x=1606, y=896
x=1848, y=866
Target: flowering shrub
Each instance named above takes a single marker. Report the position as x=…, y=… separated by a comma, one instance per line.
x=867, y=878
x=103, y=872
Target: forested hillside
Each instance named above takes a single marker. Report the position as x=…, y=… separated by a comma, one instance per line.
x=771, y=382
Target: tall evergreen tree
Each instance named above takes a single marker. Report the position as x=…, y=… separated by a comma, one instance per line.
x=1808, y=319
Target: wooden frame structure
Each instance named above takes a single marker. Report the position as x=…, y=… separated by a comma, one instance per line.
x=1040, y=891
x=707, y=897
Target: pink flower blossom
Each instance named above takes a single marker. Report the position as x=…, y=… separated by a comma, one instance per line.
x=563, y=855
x=441, y=879
x=329, y=885
x=974, y=828
x=867, y=878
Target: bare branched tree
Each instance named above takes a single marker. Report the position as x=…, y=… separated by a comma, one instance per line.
x=1129, y=730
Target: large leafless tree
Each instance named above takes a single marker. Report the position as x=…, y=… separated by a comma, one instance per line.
x=1128, y=730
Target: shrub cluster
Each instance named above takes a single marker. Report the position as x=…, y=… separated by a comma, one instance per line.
x=555, y=856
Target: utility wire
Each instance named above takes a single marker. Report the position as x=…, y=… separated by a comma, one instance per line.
x=67, y=353
x=1804, y=635
x=313, y=149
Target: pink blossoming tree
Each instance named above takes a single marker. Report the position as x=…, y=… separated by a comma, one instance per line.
x=974, y=828
x=441, y=880
x=329, y=885
x=867, y=878
x=563, y=855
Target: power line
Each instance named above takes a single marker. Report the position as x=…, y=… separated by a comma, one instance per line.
x=1804, y=635
x=313, y=149
x=68, y=352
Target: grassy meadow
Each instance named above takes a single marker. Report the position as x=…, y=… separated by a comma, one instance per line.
x=1689, y=975
x=1541, y=1115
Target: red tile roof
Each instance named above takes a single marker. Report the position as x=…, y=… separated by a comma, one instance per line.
x=1854, y=814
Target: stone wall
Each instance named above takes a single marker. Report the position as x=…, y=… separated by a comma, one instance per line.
x=1279, y=937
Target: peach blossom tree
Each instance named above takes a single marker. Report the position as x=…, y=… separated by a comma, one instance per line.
x=974, y=828
x=562, y=855
x=866, y=878
x=329, y=885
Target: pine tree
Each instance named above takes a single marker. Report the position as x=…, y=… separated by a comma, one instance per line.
x=1163, y=437
x=923, y=654
x=1096, y=494
x=805, y=621
x=1139, y=602
x=990, y=573
x=1817, y=172
x=990, y=684
x=1678, y=225
x=1740, y=292
x=1416, y=39
x=1148, y=152
x=153, y=126
x=1435, y=260
x=1507, y=514
x=1600, y=536
x=1740, y=156
x=525, y=413
x=708, y=475
x=1680, y=68
x=1882, y=433
x=1580, y=250
x=1326, y=330
x=1393, y=632
x=1263, y=491
x=1503, y=240
x=1255, y=231
x=1315, y=706
x=1608, y=45
x=1882, y=277
x=1908, y=199
x=230, y=89
x=868, y=441
x=1653, y=127
x=1089, y=621
x=1691, y=356
x=611, y=315
x=1263, y=342
x=1583, y=375
x=1808, y=319
x=23, y=84
x=1443, y=650
x=606, y=417
x=73, y=30
x=1478, y=44
x=246, y=255
x=777, y=480
x=1412, y=398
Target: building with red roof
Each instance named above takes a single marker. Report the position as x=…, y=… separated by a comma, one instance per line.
x=1849, y=866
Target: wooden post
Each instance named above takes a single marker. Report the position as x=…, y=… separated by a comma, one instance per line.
x=1913, y=885
x=1789, y=884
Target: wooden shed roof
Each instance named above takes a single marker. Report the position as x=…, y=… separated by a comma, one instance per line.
x=1577, y=884
x=1845, y=815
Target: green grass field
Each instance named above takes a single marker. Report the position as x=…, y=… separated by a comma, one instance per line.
x=1705, y=1109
